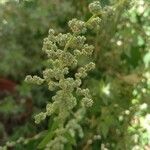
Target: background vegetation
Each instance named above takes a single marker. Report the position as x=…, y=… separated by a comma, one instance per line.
x=120, y=83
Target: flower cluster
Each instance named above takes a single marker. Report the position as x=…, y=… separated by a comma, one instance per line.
x=95, y=8
x=62, y=52
x=77, y=26
x=34, y=79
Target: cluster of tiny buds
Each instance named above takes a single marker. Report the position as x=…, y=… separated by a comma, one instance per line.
x=62, y=51
x=95, y=8
x=39, y=117
x=61, y=61
x=77, y=26
x=21, y=140
x=94, y=23
x=34, y=80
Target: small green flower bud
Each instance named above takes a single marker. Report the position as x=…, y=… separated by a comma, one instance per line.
x=85, y=92
x=90, y=66
x=81, y=73
x=51, y=54
x=63, y=113
x=51, y=32
x=97, y=137
x=108, y=11
x=67, y=84
x=78, y=42
x=77, y=26
x=77, y=52
x=78, y=91
x=10, y=144
x=49, y=45
x=48, y=73
x=34, y=79
x=62, y=39
x=78, y=82
x=87, y=102
x=73, y=102
x=55, y=63
x=95, y=8
x=49, y=109
x=51, y=36
x=74, y=63
x=58, y=73
x=87, y=49
x=68, y=59
x=52, y=85
x=40, y=117
x=95, y=22
x=66, y=70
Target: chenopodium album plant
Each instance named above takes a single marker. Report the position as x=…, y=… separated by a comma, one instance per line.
x=69, y=104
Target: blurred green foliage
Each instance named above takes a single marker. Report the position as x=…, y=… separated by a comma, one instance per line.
x=120, y=84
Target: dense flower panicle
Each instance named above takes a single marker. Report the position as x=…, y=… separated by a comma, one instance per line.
x=64, y=74
x=62, y=52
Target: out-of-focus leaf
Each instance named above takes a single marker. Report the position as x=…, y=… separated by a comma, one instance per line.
x=49, y=135
x=9, y=106
x=70, y=139
x=146, y=59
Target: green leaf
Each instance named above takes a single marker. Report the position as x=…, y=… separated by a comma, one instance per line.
x=8, y=106
x=47, y=138
x=146, y=59
x=135, y=56
x=68, y=147
x=49, y=135
x=104, y=130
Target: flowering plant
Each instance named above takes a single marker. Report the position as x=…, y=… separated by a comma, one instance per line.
x=63, y=52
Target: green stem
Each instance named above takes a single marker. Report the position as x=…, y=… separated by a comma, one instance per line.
x=90, y=20
x=68, y=43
